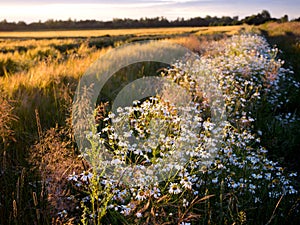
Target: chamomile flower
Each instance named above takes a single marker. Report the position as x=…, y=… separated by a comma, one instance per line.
x=73, y=177
x=141, y=195
x=186, y=182
x=85, y=176
x=174, y=188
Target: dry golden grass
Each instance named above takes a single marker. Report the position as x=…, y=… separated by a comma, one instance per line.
x=42, y=74
x=117, y=32
x=275, y=29
x=198, y=44
x=12, y=43
x=6, y=118
x=95, y=33
x=228, y=30
x=55, y=147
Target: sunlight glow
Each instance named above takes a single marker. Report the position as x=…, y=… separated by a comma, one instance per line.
x=79, y=11
x=171, y=9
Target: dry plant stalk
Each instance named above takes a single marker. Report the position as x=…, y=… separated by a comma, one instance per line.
x=53, y=155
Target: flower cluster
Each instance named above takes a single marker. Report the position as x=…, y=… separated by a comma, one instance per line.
x=165, y=156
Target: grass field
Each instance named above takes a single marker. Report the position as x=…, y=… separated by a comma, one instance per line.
x=117, y=32
x=44, y=179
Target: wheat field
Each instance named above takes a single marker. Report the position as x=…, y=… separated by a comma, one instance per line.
x=117, y=32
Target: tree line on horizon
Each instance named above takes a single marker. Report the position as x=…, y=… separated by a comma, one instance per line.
x=52, y=24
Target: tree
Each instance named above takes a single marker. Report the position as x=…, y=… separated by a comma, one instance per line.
x=4, y=21
x=265, y=14
x=260, y=18
x=284, y=19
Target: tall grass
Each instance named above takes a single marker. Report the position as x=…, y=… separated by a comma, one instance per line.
x=117, y=32
x=285, y=36
x=38, y=78
x=40, y=81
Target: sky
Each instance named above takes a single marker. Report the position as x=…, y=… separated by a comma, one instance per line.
x=105, y=10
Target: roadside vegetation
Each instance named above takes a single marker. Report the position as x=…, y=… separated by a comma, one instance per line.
x=253, y=179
